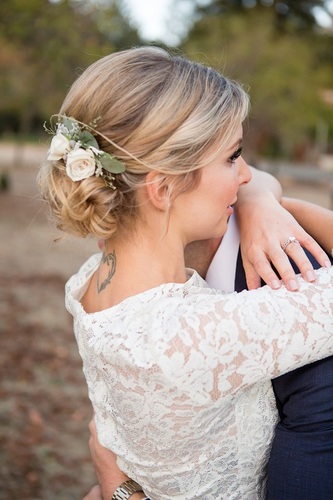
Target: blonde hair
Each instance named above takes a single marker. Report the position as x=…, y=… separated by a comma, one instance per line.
x=164, y=112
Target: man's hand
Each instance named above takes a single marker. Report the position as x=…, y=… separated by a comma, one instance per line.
x=94, y=494
x=107, y=471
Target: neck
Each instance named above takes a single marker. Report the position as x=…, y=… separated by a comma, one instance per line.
x=130, y=266
x=147, y=261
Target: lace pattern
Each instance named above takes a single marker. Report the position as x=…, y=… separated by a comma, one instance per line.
x=179, y=377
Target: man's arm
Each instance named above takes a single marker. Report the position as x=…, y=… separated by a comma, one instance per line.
x=108, y=474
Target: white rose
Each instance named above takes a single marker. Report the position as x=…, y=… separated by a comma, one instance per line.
x=59, y=147
x=80, y=164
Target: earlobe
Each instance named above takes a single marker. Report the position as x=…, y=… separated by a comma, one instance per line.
x=158, y=190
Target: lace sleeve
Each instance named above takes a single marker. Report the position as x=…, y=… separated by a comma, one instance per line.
x=230, y=343
x=179, y=377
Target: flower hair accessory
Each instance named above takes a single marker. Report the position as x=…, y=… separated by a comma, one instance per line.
x=74, y=143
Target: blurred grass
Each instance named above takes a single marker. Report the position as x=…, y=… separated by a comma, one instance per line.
x=44, y=407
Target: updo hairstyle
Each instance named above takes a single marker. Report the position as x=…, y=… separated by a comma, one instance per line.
x=165, y=112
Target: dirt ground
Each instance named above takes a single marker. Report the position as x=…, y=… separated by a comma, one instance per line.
x=44, y=408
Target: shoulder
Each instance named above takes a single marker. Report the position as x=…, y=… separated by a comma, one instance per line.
x=77, y=284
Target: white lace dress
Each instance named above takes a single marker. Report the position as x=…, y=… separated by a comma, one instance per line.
x=179, y=377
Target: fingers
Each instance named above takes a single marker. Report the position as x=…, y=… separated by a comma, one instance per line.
x=266, y=272
x=297, y=254
x=312, y=246
x=295, y=251
x=94, y=494
x=261, y=268
x=279, y=258
x=253, y=280
x=283, y=266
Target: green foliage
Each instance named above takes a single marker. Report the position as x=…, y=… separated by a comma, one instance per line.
x=298, y=14
x=278, y=54
x=44, y=45
x=285, y=74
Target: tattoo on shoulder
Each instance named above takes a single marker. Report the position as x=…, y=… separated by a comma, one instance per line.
x=110, y=260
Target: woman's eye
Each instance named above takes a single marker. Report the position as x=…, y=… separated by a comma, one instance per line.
x=235, y=155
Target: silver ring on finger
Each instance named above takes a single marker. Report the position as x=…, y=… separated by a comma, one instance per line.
x=290, y=240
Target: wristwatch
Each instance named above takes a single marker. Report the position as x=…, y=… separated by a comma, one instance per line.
x=126, y=490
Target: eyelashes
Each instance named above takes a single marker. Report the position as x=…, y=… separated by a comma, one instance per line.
x=236, y=155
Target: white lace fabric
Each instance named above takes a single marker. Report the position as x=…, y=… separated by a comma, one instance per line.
x=179, y=378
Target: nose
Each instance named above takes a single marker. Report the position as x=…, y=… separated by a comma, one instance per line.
x=244, y=172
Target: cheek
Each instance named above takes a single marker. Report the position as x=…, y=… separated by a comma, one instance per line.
x=220, y=189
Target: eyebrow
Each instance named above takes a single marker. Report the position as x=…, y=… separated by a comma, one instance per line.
x=237, y=144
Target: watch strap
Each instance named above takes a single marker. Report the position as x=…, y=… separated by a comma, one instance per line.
x=126, y=490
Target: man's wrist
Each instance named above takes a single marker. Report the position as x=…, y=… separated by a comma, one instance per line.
x=126, y=490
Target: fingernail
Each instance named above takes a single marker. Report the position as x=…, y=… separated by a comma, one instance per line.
x=327, y=263
x=310, y=276
x=275, y=284
x=293, y=285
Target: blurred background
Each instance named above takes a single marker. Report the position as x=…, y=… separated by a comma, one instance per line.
x=282, y=52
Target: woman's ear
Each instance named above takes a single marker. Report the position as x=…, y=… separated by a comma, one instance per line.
x=158, y=192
